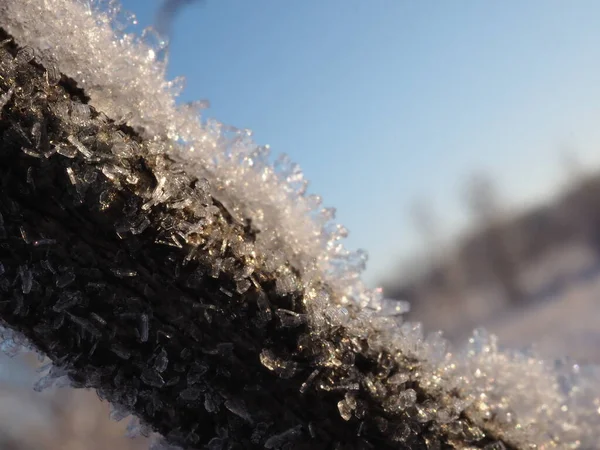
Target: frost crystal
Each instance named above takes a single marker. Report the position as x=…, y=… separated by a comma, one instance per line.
x=144, y=328
x=345, y=410
x=289, y=318
x=26, y=279
x=190, y=394
x=239, y=409
x=152, y=378
x=5, y=98
x=161, y=361
x=283, y=368
x=66, y=301
x=280, y=439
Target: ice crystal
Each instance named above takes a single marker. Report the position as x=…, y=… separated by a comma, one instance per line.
x=66, y=301
x=289, y=318
x=152, y=378
x=161, y=361
x=26, y=279
x=345, y=410
x=144, y=328
x=238, y=408
x=283, y=368
x=279, y=440
x=65, y=279
x=190, y=394
x=68, y=152
x=5, y=98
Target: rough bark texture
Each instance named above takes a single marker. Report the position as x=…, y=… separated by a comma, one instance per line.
x=96, y=274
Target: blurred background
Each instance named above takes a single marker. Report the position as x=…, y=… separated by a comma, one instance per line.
x=56, y=418
x=458, y=141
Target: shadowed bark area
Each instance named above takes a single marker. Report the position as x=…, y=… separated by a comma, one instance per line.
x=137, y=282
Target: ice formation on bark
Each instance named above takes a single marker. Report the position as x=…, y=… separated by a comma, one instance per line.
x=163, y=261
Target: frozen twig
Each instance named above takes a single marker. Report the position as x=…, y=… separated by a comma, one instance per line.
x=103, y=273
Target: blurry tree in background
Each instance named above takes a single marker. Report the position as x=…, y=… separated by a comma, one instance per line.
x=481, y=198
x=500, y=259
x=574, y=170
x=426, y=224
x=446, y=274
x=514, y=270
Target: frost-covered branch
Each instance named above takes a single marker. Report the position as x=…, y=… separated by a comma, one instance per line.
x=152, y=279
x=126, y=272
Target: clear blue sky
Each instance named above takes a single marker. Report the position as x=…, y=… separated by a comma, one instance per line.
x=385, y=101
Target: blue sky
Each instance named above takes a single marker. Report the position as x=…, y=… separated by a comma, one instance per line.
x=386, y=101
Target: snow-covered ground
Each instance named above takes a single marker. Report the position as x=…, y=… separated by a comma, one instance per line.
x=566, y=323
x=561, y=317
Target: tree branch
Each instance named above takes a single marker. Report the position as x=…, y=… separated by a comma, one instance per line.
x=136, y=281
